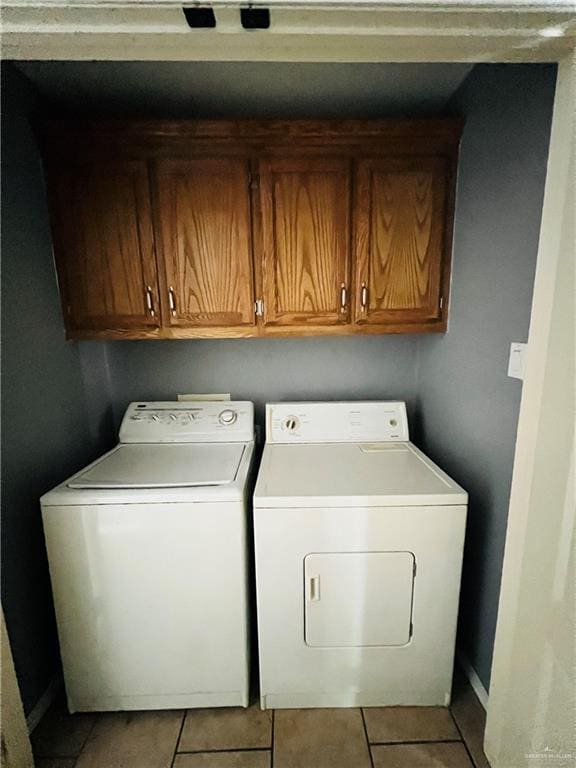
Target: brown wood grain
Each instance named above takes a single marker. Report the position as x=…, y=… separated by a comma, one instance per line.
x=306, y=240
x=203, y=209
x=60, y=131
x=400, y=238
x=189, y=139
x=104, y=244
x=270, y=331
x=195, y=225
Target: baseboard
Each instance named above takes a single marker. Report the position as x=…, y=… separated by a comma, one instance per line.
x=43, y=703
x=475, y=682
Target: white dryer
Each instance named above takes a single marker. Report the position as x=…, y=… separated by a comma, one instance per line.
x=359, y=540
x=147, y=550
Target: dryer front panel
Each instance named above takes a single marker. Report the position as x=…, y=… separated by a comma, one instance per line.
x=355, y=599
x=336, y=595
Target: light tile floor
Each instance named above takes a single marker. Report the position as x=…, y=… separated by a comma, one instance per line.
x=390, y=737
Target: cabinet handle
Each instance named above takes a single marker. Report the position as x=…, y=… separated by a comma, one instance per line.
x=172, y=301
x=364, y=297
x=149, y=301
x=343, y=298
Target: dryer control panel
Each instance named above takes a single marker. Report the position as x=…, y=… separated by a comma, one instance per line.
x=341, y=422
x=188, y=422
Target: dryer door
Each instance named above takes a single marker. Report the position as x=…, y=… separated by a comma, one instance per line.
x=358, y=598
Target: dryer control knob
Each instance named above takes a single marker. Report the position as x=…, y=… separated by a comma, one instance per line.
x=227, y=417
x=291, y=423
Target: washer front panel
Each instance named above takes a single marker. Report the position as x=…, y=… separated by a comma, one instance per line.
x=151, y=604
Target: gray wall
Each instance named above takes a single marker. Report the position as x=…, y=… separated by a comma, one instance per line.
x=265, y=369
x=47, y=429
x=468, y=405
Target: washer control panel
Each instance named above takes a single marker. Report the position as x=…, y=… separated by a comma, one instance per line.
x=376, y=421
x=228, y=416
x=188, y=422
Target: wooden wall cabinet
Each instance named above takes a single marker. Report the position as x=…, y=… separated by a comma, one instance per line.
x=104, y=246
x=305, y=209
x=183, y=229
x=400, y=239
x=205, y=242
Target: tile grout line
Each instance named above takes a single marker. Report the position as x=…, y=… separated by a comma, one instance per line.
x=470, y=756
x=225, y=750
x=184, y=713
x=366, y=737
x=97, y=717
x=415, y=741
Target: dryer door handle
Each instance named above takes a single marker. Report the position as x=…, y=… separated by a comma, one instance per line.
x=314, y=591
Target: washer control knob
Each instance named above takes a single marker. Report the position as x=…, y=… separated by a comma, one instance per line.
x=227, y=417
x=291, y=423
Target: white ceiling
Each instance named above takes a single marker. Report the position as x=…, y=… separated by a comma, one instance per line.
x=246, y=89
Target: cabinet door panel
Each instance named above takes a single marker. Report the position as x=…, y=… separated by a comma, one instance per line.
x=205, y=228
x=306, y=240
x=104, y=245
x=400, y=239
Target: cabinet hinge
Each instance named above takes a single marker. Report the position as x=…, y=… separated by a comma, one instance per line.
x=259, y=308
x=441, y=302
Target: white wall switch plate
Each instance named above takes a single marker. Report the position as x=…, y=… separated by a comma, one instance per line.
x=516, y=361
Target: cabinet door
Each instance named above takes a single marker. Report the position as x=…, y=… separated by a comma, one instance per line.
x=305, y=205
x=205, y=233
x=400, y=239
x=104, y=245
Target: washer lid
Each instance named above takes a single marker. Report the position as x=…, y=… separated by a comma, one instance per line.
x=352, y=474
x=163, y=466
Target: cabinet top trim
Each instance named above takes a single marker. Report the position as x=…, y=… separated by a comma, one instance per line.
x=446, y=128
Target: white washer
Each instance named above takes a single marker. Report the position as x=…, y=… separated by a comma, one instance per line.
x=359, y=540
x=148, y=560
